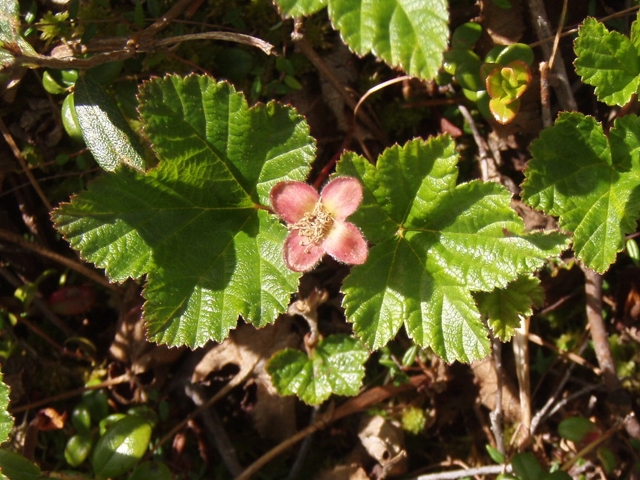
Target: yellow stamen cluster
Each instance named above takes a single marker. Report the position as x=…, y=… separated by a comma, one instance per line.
x=313, y=226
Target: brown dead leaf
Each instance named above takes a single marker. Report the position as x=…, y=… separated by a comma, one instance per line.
x=135, y=353
x=504, y=26
x=487, y=380
x=250, y=349
x=130, y=345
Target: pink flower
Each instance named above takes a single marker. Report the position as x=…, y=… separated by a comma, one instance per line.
x=317, y=222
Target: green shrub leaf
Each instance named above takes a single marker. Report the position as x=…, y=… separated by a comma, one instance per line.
x=299, y=8
x=196, y=224
x=10, y=29
x=105, y=131
x=504, y=307
x=589, y=181
x=16, y=467
x=121, y=447
x=436, y=243
x=411, y=34
x=609, y=61
x=6, y=421
x=335, y=366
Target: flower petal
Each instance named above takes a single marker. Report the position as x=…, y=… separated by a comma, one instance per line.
x=341, y=197
x=346, y=244
x=299, y=256
x=291, y=200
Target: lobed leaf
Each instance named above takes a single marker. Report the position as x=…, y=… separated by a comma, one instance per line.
x=609, y=61
x=589, y=181
x=504, y=307
x=335, y=366
x=197, y=224
x=411, y=34
x=436, y=243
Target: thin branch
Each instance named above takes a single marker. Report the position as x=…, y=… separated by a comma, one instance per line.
x=123, y=49
x=469, y=472
x=72, y=393
x=521, y=354
x=575, y=358
x=62, y=260
x=357, y=404
x=23, y=164
x=38, y=302
x=305, y=47
x=240, y=377
x=214, y=425
x=543, y=30
x=496, y=416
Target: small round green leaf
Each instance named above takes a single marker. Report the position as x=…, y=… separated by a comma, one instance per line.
x=77, y=449
x=459, y=56
x=151, y=470
x=121, y=447
x=516, y=51
x=503, y=112
x=97, y=402
x=70, y=119
x=107, y=422
x=52, y=85
x=576, y=428
x=468, y=75
x=466, y=35
x=81, y=418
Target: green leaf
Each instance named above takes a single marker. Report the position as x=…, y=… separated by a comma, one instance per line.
x=6, y=420
x=495, y=454
x=105, y=131
x=589, y=182
x=609, y=61
x=576, y=428
x=411, y=34
x=436, y=243
x=10, y=28
x=335, y=366
x=504, y=307
x=527, y=467
x=300, y=8
x=16, y=467
x=77, y=449
x=121, y=447
x=155, y=470
x=196, y=224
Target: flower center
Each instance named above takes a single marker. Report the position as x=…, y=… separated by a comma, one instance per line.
x=313, y=226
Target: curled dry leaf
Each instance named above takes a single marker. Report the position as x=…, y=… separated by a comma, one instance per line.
x=250, y=349
x=384, y=441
